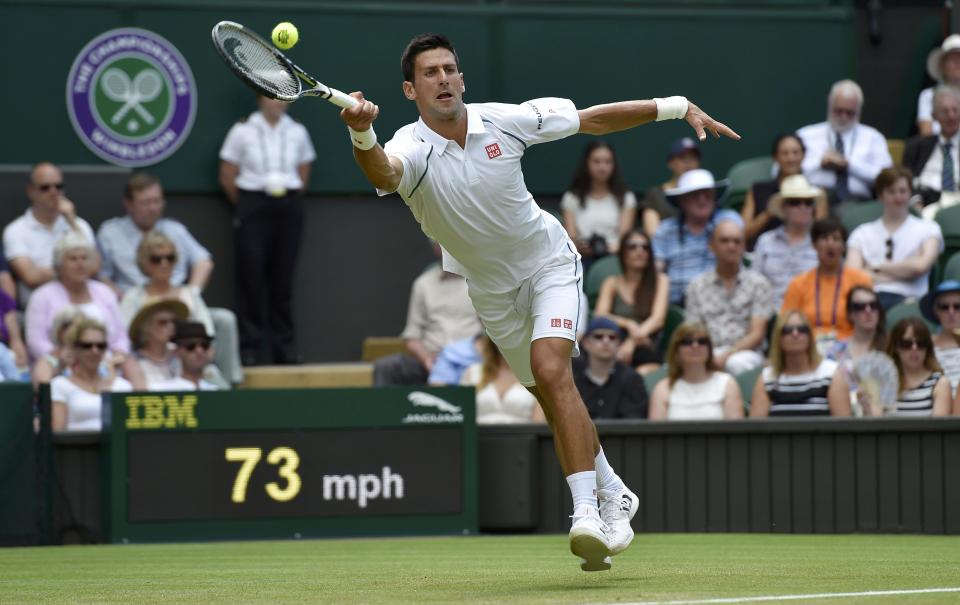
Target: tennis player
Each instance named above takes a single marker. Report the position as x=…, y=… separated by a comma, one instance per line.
x=458, y=169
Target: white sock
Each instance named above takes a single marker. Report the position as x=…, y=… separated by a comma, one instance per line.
x=607, y=478
x=583, y=488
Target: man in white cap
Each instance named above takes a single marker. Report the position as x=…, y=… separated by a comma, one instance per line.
x=943, y=65
x=681, y=244
x=843, y=155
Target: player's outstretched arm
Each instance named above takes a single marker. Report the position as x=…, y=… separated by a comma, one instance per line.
x=614, y=117
x=383, y=171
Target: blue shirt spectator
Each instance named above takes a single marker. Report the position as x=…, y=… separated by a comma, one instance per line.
x=681, y=244
x=453, y=360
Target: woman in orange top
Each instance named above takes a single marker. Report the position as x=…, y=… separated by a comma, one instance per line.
x=821, y=293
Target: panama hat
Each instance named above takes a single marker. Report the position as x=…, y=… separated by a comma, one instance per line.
x=951, y=44
x=146, y=312
x=795, y=187
x=695, y=180
x=926, y=303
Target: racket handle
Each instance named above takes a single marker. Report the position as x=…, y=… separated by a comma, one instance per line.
x=341, y=99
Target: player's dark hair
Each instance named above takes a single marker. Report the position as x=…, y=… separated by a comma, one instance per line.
x=647, y=286
x=580, y=185
x=420, y=44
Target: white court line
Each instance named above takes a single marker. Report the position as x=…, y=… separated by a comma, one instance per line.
x=796, y=597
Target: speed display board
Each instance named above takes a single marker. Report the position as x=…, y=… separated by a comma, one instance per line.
x=288, y=463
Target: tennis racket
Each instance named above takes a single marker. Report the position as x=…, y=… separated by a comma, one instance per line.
x=267, y=70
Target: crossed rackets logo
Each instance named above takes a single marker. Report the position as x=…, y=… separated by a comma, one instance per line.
x=145, y=87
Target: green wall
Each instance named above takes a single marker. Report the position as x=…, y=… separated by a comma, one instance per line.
x=763, y=68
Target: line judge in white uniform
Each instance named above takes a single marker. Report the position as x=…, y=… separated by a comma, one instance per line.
x=458, y=169
x=264, y=170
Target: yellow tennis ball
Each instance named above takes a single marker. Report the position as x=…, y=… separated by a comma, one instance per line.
x=285, y=35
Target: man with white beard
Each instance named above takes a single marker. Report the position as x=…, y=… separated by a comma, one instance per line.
x=843, y=155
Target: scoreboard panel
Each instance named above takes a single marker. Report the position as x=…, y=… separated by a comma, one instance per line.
x=289, y=463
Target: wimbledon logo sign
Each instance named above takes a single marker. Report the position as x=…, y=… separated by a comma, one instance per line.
x=131, y=97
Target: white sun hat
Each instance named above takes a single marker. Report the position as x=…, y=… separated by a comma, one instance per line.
x=696, y=180
x=951, y=44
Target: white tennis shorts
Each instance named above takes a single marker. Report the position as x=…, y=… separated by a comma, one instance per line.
x=548, y=303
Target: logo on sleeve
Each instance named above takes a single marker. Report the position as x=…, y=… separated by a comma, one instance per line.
x=493, y=150
x=557, y=322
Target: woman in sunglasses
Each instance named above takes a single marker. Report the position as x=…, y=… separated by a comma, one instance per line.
x=77, y=397
x=924, y=390
x=695, y=388
x=869, y=333
x=157, y=257
x=798, y=382
x=75, y=261
x=151, y=333
x=942, y=307
x=898, y=249
x=637, y=302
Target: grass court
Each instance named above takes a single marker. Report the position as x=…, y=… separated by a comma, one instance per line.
x=507, y=570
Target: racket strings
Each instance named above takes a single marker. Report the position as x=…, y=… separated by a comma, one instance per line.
x=258, y=63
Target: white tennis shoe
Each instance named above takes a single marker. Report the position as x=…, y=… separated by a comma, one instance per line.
x=616, y=511
x=589, y=539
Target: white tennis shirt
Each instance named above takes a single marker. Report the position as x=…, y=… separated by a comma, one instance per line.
x=474, y=201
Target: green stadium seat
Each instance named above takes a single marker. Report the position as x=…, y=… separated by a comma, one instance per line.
x=674, y=319
x=651, y=379
x=952, y=268
x=742, y=176
x=854, y=214
x=949, y=221
x=599, y=271
x=908, y=308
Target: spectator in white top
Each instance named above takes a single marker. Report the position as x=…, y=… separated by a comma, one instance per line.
x=264, y=170
x=843, y=155
x=77, y=398
x=598, y=209
x=195, y=351
x=943, y=65
x=29, y=240
x=898, y=249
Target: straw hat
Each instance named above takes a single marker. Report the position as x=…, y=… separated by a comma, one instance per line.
x=146, y=312
x=951, y=44
x=795, y=187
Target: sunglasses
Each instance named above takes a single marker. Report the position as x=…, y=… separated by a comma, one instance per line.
x=795, y=329
x=702, y=341
x=798, y=202
x=948, y=306
x=192, y=346
x=911, y=343
x=889, y=245
x=867, y=306
x=86, y=346
x=637, y=246
x=49, y=186
x=156, y=259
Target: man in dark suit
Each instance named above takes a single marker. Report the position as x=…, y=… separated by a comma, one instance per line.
x=934, y=158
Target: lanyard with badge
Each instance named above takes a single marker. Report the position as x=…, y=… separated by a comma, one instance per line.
x=825, y=339
x=274, y=181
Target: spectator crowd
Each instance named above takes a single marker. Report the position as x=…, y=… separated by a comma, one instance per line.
x=706, y=303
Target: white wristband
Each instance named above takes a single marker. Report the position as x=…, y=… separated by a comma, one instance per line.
x=671, y=108
x=363, y=140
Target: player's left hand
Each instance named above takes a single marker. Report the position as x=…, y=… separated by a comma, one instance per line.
x=702, y=122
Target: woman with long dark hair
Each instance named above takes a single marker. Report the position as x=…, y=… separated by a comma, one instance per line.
x=598, y=209
x=924, y=390
x=637, y=301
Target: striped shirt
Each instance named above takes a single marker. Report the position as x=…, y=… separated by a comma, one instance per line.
x=800, y=394
x=687, y=258
x=918, y=401
x=780, y=262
